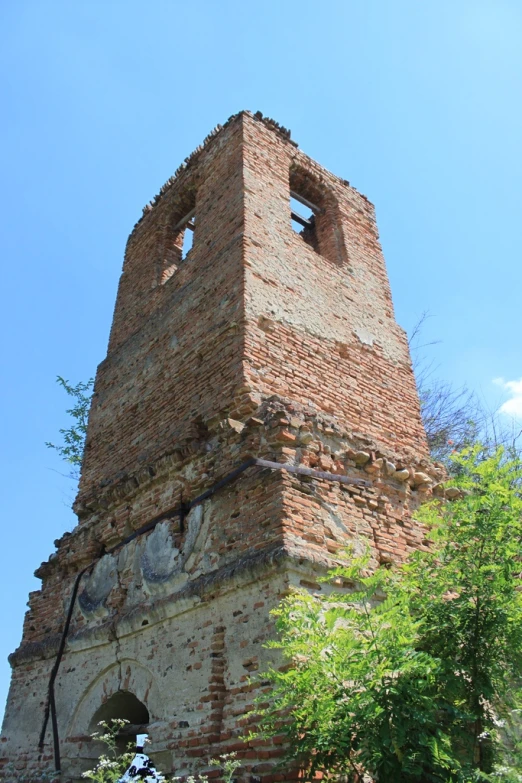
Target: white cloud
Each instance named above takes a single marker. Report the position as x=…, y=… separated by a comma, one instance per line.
x=512, y=406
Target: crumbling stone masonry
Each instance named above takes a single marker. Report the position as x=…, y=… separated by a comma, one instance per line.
x=261, y=343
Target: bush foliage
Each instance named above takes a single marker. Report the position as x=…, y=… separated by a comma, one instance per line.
x=411, y=673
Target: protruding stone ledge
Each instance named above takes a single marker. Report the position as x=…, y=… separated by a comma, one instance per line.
x=28, y=652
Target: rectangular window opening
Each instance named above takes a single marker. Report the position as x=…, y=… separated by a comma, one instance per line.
x=302, y=216
x=178, y=244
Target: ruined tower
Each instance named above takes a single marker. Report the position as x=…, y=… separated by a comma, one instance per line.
x=255, y=413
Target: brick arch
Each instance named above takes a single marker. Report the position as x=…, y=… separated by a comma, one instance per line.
x=129, y=676
x=325, y=237
x=309, y=185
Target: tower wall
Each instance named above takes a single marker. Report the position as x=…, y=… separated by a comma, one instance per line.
x=261, y=343
x=321, y=330
x=175, y=351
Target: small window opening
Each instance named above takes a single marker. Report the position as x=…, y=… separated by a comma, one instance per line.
x=302, y=217
x=315, y=213
x=188, y=236
x=178, y=243
x=123, y=704
x=303, y=214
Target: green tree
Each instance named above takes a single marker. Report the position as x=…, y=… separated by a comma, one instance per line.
x=467, y=591
x=411, y=673
x=72, y=448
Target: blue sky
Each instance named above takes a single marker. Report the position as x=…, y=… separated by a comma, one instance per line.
x=417, y=104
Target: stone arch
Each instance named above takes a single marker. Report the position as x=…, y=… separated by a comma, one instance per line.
x=125, y=677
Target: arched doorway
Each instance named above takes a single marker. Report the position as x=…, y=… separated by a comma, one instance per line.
x=123, y=704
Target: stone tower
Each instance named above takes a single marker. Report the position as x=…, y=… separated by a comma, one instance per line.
x=261, y=344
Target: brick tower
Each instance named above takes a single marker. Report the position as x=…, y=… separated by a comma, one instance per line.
x=261, y=344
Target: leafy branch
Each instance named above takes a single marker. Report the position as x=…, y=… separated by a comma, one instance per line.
x=72, y=448
x=412, y=673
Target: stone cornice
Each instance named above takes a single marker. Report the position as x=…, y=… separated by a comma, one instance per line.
x=237, y=574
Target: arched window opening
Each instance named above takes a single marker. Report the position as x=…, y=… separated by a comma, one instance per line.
x=123, y=704
x=313, y=212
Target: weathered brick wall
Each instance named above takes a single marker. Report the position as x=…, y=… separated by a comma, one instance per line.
x=264, y=343
x=322, y=331
x=253, y=311
x=254, y=514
